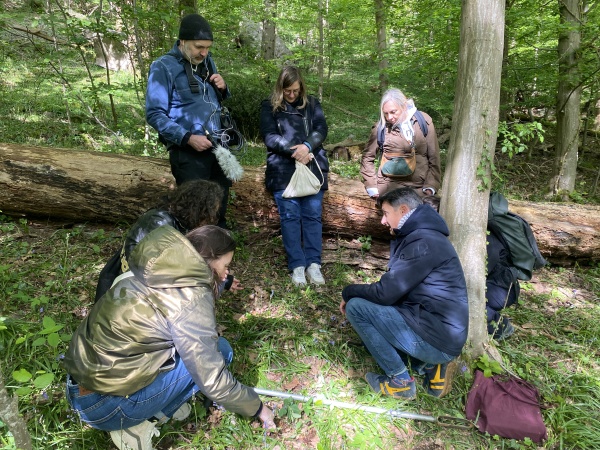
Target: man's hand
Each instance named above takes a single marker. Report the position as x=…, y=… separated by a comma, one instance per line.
x=218, y=81
x=301, y=154
x=343, y=307
x=267, y=418
x=199, y=143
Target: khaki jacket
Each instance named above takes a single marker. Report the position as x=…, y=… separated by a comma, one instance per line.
x=166, y=307
x=427, y=172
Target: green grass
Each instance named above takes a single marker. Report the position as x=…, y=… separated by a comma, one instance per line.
x=288, y=339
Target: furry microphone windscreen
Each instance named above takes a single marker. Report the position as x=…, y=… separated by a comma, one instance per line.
x=229, y=163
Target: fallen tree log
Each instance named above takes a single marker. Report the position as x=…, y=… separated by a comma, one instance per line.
x=101, y=187
x=79, y=185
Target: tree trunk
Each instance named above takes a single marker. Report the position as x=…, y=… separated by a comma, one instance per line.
x=187, y=7
x=474, y=127
x=9, y=414
x=568, y=98
x=320, y=61
x=506, y=96
x=267, y=46
x=380, y=24
x=102, y=187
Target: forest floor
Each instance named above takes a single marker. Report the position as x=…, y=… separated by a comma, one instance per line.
x=295, y=340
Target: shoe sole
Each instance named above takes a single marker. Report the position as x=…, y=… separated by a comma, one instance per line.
x=121, y=437
x=183, y=412
x=313, y=281
x=448, y=377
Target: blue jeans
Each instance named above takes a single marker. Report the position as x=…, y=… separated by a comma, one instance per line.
x=389, y=339
x=301, y=228
x=160, y=399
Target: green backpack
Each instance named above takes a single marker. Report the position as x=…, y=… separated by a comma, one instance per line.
x=516, y=235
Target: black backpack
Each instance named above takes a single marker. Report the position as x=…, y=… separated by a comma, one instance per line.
x=420, y=120
x=516, y=235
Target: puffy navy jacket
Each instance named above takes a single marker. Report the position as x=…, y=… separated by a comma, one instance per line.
x=284, y=129
x=424, y=281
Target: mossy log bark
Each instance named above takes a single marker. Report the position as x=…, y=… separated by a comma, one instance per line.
x=101, y=187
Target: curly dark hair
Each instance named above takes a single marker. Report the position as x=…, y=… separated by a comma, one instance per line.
x=195, y=203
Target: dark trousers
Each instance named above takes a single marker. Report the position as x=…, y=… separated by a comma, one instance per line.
x=188, y=164
x=498, y=298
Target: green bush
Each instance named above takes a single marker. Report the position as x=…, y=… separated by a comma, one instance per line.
x=244, y=104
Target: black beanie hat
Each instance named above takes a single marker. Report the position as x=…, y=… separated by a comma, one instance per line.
x=195, y=27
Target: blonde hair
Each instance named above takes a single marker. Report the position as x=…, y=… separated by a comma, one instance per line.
x=397, y=97
x=288, y=76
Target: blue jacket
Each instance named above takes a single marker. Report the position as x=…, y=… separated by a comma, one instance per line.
x=171, y=107
x=424, y=281
x=284, y=129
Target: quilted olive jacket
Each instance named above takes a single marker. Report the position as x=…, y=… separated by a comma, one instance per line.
x=164, y=306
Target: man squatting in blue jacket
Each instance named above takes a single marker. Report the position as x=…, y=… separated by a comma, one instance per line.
x=418, y=310
x=183, y=103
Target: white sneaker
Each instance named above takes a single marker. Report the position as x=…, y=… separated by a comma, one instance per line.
x=138, y=437
x=183, y=412
x=314, y=274
x=298, y=277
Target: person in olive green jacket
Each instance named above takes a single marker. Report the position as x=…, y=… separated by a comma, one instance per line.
x=191, y=205
x=151, y=341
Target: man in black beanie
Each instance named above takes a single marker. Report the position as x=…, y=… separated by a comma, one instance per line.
x=183, y=103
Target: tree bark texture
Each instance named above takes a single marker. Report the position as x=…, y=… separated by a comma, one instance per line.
x=267, y=46
x=107, y=188
x=467, y=177
x=381, y=25
x=321, y=58
x=568, y=97
x=78, y=185
x=9, y=414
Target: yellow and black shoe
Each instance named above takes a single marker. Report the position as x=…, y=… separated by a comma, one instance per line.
x=394, y=387
x=438, y=380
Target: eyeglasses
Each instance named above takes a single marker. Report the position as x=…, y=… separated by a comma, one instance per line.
x=291, y=91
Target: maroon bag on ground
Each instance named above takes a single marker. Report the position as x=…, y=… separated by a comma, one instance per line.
x=507, y=406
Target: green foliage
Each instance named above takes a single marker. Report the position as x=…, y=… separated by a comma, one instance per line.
x=365, y=242
x=346, y=169
x=290, y=410
x=249, y=89
x=516, y=137
x=530, y=76
x=367, y=440
x=487, y=365
x=425, y=53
